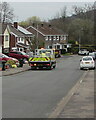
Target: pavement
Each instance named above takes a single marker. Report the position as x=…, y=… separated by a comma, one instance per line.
x=17, y=70
x=79, y=102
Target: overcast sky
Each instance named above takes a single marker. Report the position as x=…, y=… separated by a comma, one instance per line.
x=45, y=10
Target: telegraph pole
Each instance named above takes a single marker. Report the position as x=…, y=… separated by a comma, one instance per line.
x=37, y=36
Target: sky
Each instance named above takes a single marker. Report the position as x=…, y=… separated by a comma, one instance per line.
x=45, y=9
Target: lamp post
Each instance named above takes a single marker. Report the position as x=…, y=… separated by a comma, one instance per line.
x=37, y=36
x=79, y=42
x=80, y=38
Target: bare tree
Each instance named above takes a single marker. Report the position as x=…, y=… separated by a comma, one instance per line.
x=64, y=12
x=6, y=12
x=83, y=9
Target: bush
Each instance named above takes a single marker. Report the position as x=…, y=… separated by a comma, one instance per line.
x=74, y=50
x=63, y=51
x=10, y=63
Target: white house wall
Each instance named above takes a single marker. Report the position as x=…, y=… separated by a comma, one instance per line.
x=6, y=43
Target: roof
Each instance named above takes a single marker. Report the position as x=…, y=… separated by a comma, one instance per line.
x=23, y=30
x=15, y=31
x=2, y=28
x=47, y=30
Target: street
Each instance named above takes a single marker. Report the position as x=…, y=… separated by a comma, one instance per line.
x=35, y=93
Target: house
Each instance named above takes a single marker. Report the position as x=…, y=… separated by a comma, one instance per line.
x=16, y=38
x=48, y=36
x=2, y=29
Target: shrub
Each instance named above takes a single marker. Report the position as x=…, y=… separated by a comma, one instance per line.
x=10, y=63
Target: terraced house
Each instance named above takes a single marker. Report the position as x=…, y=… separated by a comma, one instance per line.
x=48, y=36
x=14, y=37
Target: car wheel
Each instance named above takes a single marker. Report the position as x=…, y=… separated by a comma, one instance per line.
x=94, y=68
x=24, y=60
x=81, y=68
x=50, y=68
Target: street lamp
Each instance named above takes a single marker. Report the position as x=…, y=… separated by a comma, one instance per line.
x=80, y=38
x=79, y=41
x=37, y=36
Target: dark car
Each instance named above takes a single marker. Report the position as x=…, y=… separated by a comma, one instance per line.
x=57, y=53
x=19, y=55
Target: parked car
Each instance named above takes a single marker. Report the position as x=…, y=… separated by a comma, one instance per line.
x=83, y=52
x=93, y=54
x=30, y=54
x=19, y=55
x=87, y=62
x=6, y=58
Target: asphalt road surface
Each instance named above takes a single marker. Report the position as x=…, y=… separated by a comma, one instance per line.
x=35, y=93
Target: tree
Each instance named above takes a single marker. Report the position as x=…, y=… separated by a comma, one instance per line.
x=33, y=19
x=6, y=12
x=30, y=21
x=64, y=12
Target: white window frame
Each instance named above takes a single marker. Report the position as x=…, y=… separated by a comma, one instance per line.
x=27, y=42
x=65, y=37
x=46, y=38
x=54, y=38
x=20, y=48
x=57, y=38
x=50, y=38
x=61, y=38
x=20, y=40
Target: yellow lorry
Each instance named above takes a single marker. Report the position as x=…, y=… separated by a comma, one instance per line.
x=43, y=58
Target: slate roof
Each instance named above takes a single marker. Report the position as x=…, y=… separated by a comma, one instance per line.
x=47, y=30
x=20, y=32
x=15, y=31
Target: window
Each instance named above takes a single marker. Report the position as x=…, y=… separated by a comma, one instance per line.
x=50, y=38
x=46, y=38
x=64, y=37
x=49, y=47
x=58, y=46
x=20, y=40
x=54, y=38
x=57, y=37
x=27, y=43
x=6, y=38
x=20, y=49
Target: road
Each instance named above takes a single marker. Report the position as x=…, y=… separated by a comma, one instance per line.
x=35, y=93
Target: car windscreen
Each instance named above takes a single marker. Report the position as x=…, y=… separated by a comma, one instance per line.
x=87, y=59
x=3, y=56
x=23, y=53
x=91, y=54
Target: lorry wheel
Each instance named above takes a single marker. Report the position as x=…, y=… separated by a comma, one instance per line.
x=50, y=68
x=54, y=66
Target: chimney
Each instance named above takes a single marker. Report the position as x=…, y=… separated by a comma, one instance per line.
x=42, y=25
x=49, y=25
x=33, y=24
x=16, y=25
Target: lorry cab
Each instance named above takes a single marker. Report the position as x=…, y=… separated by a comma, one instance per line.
x=47, y=52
